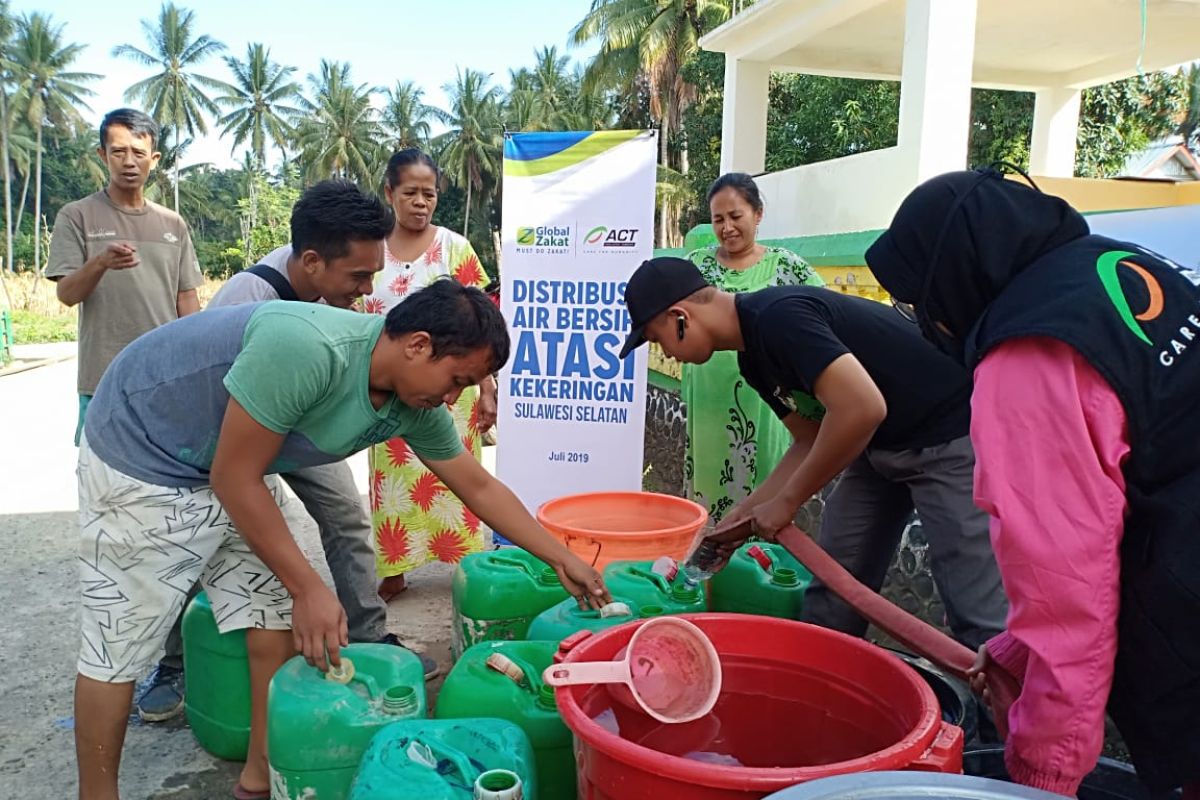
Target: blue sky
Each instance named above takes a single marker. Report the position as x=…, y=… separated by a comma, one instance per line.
x=383, y=41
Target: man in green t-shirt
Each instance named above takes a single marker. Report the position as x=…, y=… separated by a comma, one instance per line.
x=183, y=428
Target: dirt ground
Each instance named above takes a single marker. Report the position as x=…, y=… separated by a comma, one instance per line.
x=39, y=596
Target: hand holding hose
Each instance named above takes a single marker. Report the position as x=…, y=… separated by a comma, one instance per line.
x=915, y=634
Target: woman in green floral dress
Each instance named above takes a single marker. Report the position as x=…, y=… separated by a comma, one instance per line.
x=733, y=438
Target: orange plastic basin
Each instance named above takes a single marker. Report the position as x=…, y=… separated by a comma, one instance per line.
x=600, y=527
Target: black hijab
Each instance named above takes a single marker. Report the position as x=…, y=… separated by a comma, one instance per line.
x=958, y=239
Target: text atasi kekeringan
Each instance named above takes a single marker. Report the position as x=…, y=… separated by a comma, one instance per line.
x=567, y=337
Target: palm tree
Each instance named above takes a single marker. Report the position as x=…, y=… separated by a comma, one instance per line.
x=589, y=109
x=406, y=117
x=659, y=36
x=519, y=106
x=551, y=86
x=340, y=135
x=7, y=28
x=259, y=103
x=45, y=92
x=21, y=146
x=471, y=151
x=173, y=96
x=164, y=178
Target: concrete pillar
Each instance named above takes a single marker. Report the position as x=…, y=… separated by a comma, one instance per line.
x=1055, y=132
x=935, y=85
x=744, y=117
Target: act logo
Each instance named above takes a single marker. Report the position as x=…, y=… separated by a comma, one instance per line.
x=605, y=239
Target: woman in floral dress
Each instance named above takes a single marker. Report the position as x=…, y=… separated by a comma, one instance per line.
x=734, y=440
x=415, y=517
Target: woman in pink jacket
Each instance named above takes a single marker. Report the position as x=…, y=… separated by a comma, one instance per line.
x=1086, y=358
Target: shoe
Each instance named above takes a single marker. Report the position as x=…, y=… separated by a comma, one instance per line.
x=163, y=698
x=432, y=670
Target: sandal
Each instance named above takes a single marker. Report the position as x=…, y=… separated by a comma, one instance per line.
x=242, y=793
x=392, y=586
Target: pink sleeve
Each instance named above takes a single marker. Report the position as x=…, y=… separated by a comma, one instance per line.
x=1050, y=436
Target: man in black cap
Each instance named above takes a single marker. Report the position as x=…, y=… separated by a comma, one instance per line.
x=862, y=394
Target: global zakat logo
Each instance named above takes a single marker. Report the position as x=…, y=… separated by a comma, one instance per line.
x=543, y=239
x=613, y=240
x=1107, y=268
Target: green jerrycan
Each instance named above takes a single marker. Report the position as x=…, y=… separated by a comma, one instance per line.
x=761, y=578
x=318, y=726
x=498, y=593
x=218, y=695
x=638, y=581
x=504, y=680
x=444, y=759
x=560, y=621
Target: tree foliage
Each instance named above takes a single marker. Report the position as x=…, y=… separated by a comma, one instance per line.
x=648, y=73
x=814, y=118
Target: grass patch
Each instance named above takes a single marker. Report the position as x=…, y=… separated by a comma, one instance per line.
x=32, y=327
x=37, y=315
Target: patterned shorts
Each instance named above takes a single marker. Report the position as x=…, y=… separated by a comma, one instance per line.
x=142, y=548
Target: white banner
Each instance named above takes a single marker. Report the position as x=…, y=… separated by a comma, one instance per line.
x=577, y=220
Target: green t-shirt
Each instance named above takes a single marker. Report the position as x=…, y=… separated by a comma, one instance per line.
x=299, y=369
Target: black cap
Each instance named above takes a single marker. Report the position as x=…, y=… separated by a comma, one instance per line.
x=654, y=287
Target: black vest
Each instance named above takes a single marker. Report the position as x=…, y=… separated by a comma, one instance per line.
x=1136, y=318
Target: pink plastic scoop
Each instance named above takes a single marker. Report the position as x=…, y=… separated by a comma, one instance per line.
x=670, y=670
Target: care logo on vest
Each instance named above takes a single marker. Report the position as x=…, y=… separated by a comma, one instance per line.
x=1108, y=267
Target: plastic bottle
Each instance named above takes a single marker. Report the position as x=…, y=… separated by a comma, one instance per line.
x=700, y=564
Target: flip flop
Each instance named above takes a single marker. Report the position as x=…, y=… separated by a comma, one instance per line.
x=386, y=593
x=242, y=793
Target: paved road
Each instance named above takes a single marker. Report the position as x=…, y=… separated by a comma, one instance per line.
x=38, y=598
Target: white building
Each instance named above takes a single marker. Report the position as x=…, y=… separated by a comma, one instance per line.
x=938, y=50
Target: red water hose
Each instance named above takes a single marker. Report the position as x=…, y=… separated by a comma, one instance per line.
x=915, y=634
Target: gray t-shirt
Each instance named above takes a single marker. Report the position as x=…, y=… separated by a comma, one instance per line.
x=127, y=302
x=246, y=287
x=298, y=369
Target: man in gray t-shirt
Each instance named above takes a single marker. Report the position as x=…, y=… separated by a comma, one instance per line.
x=127, y=262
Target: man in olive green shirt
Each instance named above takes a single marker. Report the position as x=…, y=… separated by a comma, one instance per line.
x=126, y=261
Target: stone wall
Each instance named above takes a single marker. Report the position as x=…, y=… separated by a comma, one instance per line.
x=664, y=442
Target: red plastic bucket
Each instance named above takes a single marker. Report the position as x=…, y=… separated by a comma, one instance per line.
x=601, y=527
x=801, y=702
